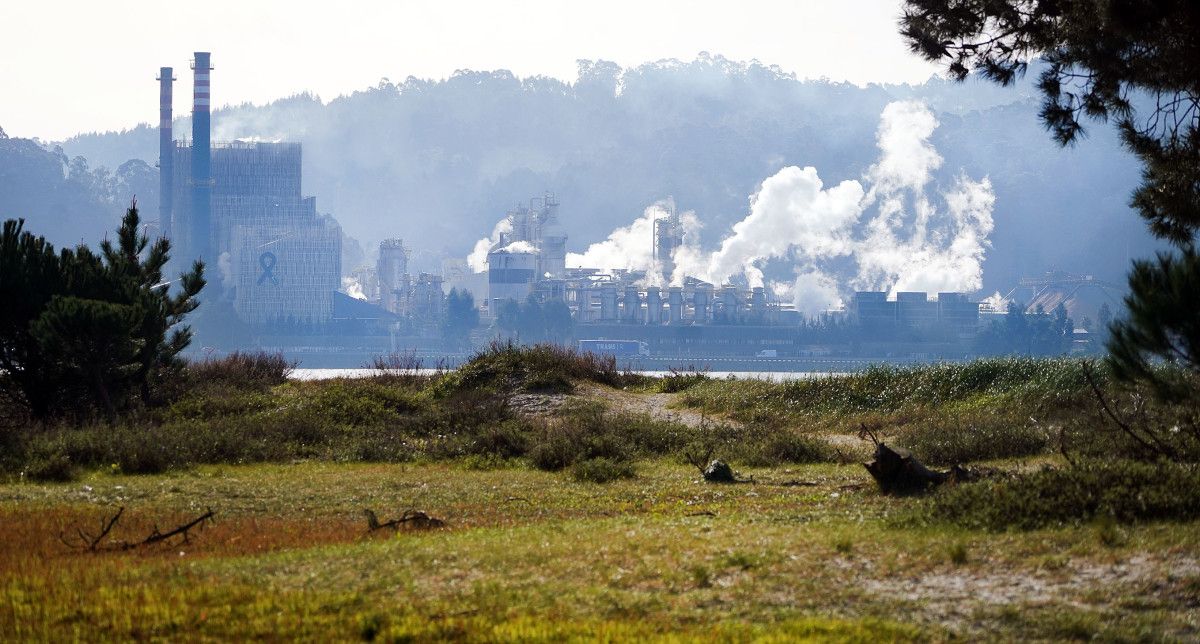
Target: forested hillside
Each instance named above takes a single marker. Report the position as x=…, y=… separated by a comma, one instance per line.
x=64, y=198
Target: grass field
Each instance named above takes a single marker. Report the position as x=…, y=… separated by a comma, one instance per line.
x=535, y=549
x=805, y=551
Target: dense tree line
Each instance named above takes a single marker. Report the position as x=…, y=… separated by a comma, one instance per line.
x=534, y=321
x=461, y=318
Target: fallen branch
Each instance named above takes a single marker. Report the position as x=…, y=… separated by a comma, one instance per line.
x=157, y=536
x=96, y=543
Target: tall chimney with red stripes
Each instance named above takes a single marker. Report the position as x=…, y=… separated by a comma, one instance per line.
x=166, y=155
x=200, y=234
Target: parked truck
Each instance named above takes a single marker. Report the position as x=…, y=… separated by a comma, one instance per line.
x=615, y=347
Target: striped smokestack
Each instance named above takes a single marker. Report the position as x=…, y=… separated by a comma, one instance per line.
x=166, y=157
x=200, y=234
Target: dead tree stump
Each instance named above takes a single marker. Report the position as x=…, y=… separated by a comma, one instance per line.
x=897, y=471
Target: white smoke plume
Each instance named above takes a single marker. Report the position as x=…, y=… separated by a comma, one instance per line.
x=911, y=245
x=994, y=302
x=519, y=247
x=791, y=210
x=351, y=287
x=631, y=247
x=812, y=293
x=225, y=266
x=477, y=260
x=910, y=242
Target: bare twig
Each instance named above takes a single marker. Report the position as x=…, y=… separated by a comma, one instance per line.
x=865, y=433
x=87, y=541
x=1125, y=427
x=96, y=543
x=702, y=462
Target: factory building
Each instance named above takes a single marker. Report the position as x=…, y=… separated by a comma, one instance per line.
x=239, y=207
x=533, y=248
x=872, y=310
x=391, y=273
x=530, y=258
x=511, y=275
x=417, y=300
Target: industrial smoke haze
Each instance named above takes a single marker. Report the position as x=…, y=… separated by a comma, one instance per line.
x=892, y=231
x=477, y=260
x=630, y=247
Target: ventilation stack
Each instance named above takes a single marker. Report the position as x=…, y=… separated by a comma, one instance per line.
x=675, y=304
x=653, y=305
x=166, y=155
x=200, y=234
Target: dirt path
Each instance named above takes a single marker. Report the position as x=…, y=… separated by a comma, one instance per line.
x=656, y=405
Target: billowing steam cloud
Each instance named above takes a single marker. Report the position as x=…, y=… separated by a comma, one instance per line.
x=791, y=210
x=477, y=260
x=908, y=243
x=631, y=248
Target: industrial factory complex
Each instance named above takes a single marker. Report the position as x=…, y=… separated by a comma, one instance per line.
x=274, y=261
x=238, y=206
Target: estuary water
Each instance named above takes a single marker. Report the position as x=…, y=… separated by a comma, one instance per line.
x=773, y=376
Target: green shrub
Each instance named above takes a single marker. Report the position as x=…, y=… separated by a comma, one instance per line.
x=950, y=441
x=241, y=370
x=51, y=466
x=1126, y=491
x=678, y=381
x=1026, y=381
x=548, y=368
x=589, y=432
x=601, y=470
x=767, y=447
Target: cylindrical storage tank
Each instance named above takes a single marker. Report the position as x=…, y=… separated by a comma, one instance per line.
x=632, y=305
x=608, y=303
x=510, y=277
x=653, y=305
x=700, y=302
x=675, y=302
x=758, y=301
x=729, y=298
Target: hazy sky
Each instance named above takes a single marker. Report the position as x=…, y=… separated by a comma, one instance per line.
x=69, y=67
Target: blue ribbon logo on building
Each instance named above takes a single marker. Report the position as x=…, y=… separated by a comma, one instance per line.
x=267, y=262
